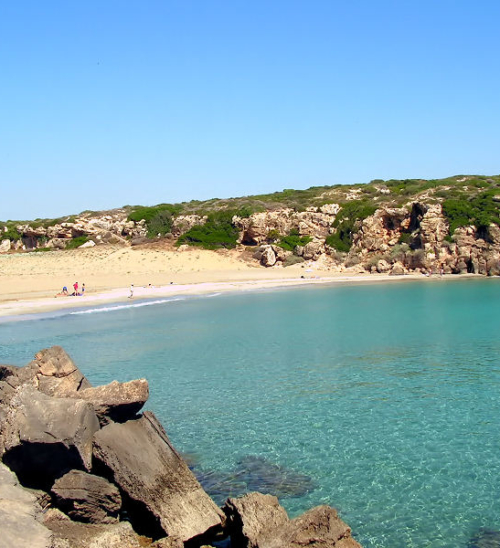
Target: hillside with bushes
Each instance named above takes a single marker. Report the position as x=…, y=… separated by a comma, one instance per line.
x=445, y=225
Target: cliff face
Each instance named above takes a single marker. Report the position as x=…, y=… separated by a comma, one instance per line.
x=413, y=237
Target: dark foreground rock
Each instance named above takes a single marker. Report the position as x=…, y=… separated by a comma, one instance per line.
x=160, y=486
x=20, y=515
x=87, y=498
x=43, y=437
x=69, y=534
x=116, y=401
x=258, y=521
x=102, y=477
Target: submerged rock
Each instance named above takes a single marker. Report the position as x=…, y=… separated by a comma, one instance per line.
x=485, y=538
x=254, y=473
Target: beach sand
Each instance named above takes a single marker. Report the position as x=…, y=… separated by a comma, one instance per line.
x=30, y=281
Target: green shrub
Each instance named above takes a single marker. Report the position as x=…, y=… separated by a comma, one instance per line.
x=217, y=232
x=77, y=242
x=480, y=210
x=405, y=238
x=11, y=234
x=290, y=242
x=273, y=236
x=347, y=223
x=160, y=224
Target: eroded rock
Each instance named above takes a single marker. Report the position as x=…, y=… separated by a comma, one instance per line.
x=20, y=515
x=116, y=401
x=43, y=437
x=87, y=498
x=251, y=517
x=257, y=521
x=161, y=489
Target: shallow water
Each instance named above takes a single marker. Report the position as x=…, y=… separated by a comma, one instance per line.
x=380, y=400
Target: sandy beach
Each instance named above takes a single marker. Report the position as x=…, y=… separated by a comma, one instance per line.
x=29, y=282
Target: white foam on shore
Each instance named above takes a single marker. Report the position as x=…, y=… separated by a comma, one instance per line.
x=125, y=306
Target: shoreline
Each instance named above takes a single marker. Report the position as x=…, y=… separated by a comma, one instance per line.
x=29, y=282
x=39, y=305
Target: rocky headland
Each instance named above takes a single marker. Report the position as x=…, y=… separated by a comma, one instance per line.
x=85, y=467
x=450, y=226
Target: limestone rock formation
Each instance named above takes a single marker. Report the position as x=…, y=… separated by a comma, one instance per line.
x=56, y=373
x=87, y=498
x=258, y=521
x=44, y=437
x=116, y=401
x=88, y=474
x=147, y=468
x=251, y=517
x=20, y=515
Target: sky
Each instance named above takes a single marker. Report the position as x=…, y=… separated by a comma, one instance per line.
x=112, y=103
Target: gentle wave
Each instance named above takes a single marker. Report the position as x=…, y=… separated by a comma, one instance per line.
x=124, y=306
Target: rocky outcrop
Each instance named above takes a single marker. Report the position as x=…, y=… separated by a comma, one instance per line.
x=414, y=235
x=44, y=437
x=147, y=468
x=20, y=515
x=91, y=474
x=253, y=517
x=87, y=498
x=315, y=222
x=116, y=402
x=258, y=521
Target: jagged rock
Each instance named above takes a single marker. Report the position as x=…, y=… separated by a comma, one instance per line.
x=320, y=527
x=70, y=534
x=268, y=257
x=253, y=516
x=161, y=489
x=44, y=437
x=258, y=521
x=169, y=542
x=56, y=372
x=397, y=269
x=20, y=515
x=183, y=223
x=280, y=253
x=4, y=246
x=255, y=229
x=87, y=498
x=313, y=250
x=116, y=401
x=383, y=266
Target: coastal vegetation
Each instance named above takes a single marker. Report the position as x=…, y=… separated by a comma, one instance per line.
x=450, y=224
x=217, y=232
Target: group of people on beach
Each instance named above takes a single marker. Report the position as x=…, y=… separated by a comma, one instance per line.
x=77, y=292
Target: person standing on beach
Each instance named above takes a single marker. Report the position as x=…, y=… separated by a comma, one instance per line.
x=131, y=296
x=75, y=287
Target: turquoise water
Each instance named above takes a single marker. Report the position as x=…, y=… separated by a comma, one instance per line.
x=380, y=400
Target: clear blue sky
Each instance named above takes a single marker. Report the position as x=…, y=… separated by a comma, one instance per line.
x=106, y=103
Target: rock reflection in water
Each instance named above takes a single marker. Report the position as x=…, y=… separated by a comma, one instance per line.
x=253, y=473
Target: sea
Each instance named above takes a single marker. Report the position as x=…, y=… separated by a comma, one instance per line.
x=381, y=400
